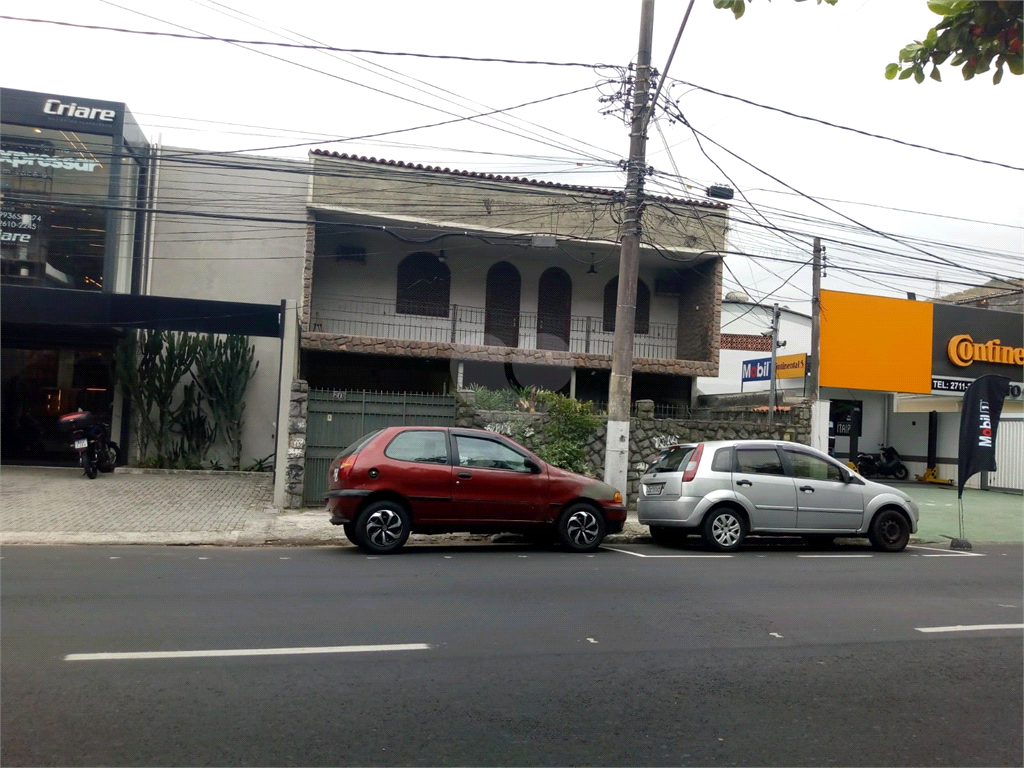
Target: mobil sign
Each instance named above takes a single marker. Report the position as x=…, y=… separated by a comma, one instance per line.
x=757, y=370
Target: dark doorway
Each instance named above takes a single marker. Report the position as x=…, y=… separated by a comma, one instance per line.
x=501, y=314
x=554, y=309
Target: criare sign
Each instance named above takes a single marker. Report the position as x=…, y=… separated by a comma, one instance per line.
x=915, y=347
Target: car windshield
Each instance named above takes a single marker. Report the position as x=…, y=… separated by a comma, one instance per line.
x=672, y=459
x=356, y=445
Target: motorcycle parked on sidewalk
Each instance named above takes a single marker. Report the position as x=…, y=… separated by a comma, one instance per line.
x=884, y=464
x=91, y=438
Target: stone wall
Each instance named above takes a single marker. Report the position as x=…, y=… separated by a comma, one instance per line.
x=647, y=435
x=296, y=469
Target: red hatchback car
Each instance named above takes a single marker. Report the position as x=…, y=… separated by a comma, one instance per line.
x=403, y=480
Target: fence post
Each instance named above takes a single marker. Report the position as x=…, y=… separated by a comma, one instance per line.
x=455, y=314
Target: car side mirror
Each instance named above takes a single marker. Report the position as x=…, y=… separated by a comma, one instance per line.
x=533, y=466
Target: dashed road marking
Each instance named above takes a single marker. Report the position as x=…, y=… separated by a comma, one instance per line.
x=245, y=652
x=835, y=555
x=969, y=627
x=638, y=554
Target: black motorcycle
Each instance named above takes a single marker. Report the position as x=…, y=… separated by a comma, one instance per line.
x=885, y=464
x=91, y=438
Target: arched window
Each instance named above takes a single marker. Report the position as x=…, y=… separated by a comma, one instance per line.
x=424, y=285
x=643, y=306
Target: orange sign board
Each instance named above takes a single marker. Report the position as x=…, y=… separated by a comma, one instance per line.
x=873, y=342
x=791, y=366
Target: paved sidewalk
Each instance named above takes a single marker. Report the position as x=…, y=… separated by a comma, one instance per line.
x=42, y=505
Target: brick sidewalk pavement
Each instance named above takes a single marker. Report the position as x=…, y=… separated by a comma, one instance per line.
x=37, y=503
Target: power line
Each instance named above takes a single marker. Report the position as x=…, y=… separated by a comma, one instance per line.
x=330, y=48
x=847, y=128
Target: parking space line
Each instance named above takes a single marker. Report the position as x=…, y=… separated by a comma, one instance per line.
x=652, y=557
x=969, y=627
x=245, y=652
x=945, y=552
x=835, y=555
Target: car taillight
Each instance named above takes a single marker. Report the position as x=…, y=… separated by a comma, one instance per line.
x=343, y=470
x=691, y=466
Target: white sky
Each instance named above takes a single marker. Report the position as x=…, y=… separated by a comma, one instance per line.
x=821, y=61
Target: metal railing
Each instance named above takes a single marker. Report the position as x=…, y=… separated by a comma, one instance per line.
x=458, y=324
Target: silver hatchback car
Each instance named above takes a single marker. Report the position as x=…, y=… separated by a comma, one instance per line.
x=725, y=490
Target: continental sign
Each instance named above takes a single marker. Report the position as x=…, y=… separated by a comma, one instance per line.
x=964, y=351
x=897, y=345
x=791, y=366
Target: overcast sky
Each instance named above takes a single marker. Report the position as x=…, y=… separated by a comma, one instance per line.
x=815, y=60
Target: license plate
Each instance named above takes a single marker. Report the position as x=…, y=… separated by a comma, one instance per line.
x=654, y=489
x=81, y=444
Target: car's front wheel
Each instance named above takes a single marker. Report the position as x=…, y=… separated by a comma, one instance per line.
x=350, y=532
x=382, y=528
x=890, y=531
x=581, y=528
x=724, y=529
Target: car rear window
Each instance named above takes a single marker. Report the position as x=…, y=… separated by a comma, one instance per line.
x=357, y=445
x=673, y=459
x=428, y=446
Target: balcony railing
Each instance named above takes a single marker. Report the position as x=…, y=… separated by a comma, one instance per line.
x=475, y=325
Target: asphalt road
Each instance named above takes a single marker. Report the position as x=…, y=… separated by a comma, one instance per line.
x=779, y=655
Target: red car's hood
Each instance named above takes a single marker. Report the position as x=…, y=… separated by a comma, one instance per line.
x=595, y=489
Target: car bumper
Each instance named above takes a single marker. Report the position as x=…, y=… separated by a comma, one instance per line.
x=342, y=504
x=683, y=512
x=614, y=518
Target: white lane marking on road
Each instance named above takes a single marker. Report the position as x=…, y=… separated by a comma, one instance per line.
x=969, y=627
x=447, y=557
x=945, y=552
x=835, y=555
x=246, y=652
x=115, y=558
x=204, y=558
x=1006, y=606
x=775, y=634
x=637, y=554
x=280, y=558
x=592, y=640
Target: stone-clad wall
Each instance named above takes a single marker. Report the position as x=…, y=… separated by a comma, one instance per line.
x=297, y=412
x=446, y=351
x=647, y=434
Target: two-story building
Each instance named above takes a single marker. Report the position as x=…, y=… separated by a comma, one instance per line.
x=423, y=279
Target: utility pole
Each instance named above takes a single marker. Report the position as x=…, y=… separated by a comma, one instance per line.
x=775, y=346
x=814, y=368
x=616, y=460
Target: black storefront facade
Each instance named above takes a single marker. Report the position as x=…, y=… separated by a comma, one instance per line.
x=75, y=197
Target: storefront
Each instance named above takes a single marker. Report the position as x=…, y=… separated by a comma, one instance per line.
x=895, y=371
x=72, y=174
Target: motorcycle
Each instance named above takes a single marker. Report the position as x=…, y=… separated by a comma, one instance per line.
x=91, y=438
x=885, y=464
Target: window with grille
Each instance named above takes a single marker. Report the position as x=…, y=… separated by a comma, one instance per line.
x=643, y=306
x=424, y=285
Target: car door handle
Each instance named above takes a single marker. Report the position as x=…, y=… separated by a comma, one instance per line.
x=743, y=482
x=465, y=475
x=806, y=489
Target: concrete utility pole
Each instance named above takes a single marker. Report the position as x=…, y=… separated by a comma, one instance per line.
x=616, y=460
x=813, y=368
x=775, y=346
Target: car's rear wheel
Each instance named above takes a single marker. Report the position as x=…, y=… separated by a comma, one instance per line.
x=581, y=528
x=382, y=528
x=890, y=531
x=667, y=536
x=724, y=529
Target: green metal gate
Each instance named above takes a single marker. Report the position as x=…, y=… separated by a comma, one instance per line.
x=335, y=418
